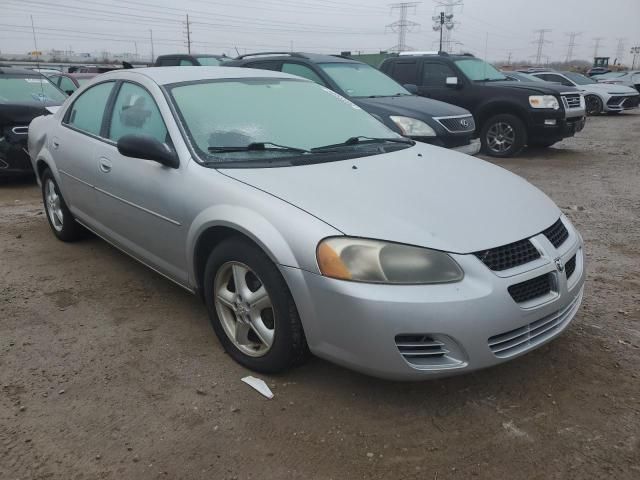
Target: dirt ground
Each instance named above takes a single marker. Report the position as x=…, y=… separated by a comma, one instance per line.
x=109, y=371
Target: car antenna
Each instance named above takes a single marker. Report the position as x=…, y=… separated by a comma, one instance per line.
x=35, y=44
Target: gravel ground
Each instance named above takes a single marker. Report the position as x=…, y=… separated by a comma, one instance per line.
x=109, y=371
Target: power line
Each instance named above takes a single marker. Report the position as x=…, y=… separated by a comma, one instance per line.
x=402, y=25
x=541, y=43
x=572, y=45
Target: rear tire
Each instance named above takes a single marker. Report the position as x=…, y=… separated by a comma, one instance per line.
x=61, y=221
x=256, y=321
x=593, y=104
x=503, y=135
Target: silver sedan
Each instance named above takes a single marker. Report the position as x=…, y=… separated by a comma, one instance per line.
x=308, y=226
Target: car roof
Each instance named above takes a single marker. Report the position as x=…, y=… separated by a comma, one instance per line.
x=310, y=57
x=168, y=75
x=19, y=71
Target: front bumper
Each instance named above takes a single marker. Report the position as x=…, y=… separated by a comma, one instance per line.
x=552, y=128
x=14, y=159
x=358, y=325
x=619, y=103
x=471, y=149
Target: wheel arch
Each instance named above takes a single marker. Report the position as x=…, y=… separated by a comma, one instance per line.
x=488, y=110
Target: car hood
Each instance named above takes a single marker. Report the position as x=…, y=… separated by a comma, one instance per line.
x=422, y=195
x=22, y=113
x=408, y=105
x=546, y=88
x=608, y=88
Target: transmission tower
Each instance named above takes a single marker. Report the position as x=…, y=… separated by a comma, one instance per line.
x=597, y=43
x=402, y=25
x=541, y=43
x=620, y=49
x=449, y=7
x=572, y=45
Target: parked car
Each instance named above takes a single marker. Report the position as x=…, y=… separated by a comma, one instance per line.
x=184, y=60
x=596, y=71
x=629, y=79
x=69, y=82
x=599, y=97
x=508, y=115
x=421, y=119
x=306, y=224
x=24, y=95
x=520, y=76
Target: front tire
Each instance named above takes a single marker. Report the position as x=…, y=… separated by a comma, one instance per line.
x=61, y=221
x=503, y=135
x=251, y=309
x=593, y=104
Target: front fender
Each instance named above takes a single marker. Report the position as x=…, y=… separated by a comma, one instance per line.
x=37, y=145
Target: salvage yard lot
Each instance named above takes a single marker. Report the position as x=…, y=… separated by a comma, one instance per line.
x=107, y=370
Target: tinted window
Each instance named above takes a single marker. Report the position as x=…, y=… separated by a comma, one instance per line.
x=67, y=85
x=264, y=65
x=406, y=72
x=479, y=70
x=550, y=77
x=87, y=111
x=435, y=74
x=185, y=63
x=209, y=61
x=301, y=71
x=136, y=112
x=36, y=89
x=168, y=62
x=579, y=78
x=362, y=80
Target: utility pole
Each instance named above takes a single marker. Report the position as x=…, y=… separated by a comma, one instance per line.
x=153, y=57
x=188, y=32
x=402, y=25
x=635, y=51
x=135, y=45
x=509, y=59
x=596, y=46
x=449, y=7
x=541, y=42
x=442, y=22
x=620, y=49
x=572, y=45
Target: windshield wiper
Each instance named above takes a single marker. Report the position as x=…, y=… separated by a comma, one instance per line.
x=258, y=146
x=361, y=139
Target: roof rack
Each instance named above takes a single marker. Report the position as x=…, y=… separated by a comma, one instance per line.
x=259, y=54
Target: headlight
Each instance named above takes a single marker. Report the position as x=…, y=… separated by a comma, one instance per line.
x=412, y=127
x=375, y=261
x=544, y=101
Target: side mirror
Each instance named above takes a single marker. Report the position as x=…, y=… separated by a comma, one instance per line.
x=148, y=148
x=411, y=88
x=69, y=92
x=452, y=82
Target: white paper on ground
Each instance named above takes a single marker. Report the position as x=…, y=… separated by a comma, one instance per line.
x=259, y=385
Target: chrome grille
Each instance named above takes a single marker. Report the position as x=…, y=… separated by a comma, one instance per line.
x=415, y=348
x=521, y=339
x=509, y=256
x=571, y=100
x=533, y=288
x=457, y=124
x=556, y=233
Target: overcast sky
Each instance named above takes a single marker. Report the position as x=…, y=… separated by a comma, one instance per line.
x=327, y=26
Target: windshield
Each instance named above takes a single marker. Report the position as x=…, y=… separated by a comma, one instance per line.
x=612, y=75
x=579, y=78
x=283, y=112
x=479, y=70
x=362, y=80
x=209, y=61
x=29, y=90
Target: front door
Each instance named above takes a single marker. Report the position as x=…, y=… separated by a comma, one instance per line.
x=138, y=200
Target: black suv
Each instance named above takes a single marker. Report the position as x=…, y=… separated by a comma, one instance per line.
x=421, y=119
x=509, y=114
x=24, y=95
x=184, y=60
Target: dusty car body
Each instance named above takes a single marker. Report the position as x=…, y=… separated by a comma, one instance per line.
x=380, y=254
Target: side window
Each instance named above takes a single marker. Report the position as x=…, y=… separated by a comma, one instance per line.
x=264, y=65
x=168, y=62
x=55, y=79
x=435, y=74
x=67, y=85
x=406, y=72
x=550, y=77
x=301, y=71
x=185, y=63
x=136, y=112
x=87, y=111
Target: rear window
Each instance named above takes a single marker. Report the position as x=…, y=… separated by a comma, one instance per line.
x=25, y=89
x=209, y=61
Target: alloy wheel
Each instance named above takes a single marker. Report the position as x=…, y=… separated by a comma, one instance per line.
x=53, y=205
x=244, y=308
x=500, y=137
x=594, y=105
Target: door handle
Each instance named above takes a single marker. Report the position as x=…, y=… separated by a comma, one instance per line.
x=55, y=144
x=105, y=165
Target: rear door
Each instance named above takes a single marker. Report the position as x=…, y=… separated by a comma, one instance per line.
x=138, y=200
x=405, y=72
x=74, y=146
